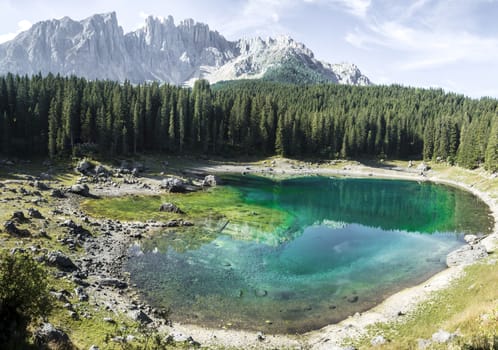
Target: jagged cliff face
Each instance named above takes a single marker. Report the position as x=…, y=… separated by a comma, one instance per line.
x=97, y=48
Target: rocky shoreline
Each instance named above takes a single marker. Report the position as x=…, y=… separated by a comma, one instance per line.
x=98, y=268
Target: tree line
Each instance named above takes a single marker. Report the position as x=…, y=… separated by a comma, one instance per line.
x=63, y=116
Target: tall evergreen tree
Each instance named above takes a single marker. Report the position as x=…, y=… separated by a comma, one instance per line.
x=491, y=162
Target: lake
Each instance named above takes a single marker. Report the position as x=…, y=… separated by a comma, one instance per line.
x=346, y=245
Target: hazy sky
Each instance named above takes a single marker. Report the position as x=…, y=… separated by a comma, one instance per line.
x=451, y=44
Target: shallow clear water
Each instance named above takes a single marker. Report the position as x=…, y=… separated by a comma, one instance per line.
x=349, y=243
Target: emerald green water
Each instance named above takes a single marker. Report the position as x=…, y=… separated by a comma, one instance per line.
x=346, y=246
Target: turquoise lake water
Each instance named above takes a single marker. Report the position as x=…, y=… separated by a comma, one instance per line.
x=350, y=244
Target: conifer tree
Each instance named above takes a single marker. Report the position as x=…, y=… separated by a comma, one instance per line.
x=491, y=162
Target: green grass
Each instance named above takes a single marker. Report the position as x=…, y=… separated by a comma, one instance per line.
x=469, y=308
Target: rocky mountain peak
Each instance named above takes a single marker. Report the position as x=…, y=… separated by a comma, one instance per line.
x=98, y=48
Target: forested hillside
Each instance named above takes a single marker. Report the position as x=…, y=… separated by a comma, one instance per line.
x=58, y=116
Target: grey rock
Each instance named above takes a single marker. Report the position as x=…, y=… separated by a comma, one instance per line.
x=41, y=186
x=84, y=167
x=11, y=228
x=109, y=320
x=170, y=208
x=57, y=194
x=19, y=216
x=34, y=213
x=353, y=299
x=48, y=334
x=114, y=283
x=174, y=185
x=378, y=340
x=466, y=255
x=423, y=343
x=423, y=167
x=443, y=336
x=101, y=170
x=81, y=294
x=261, y=293
x=61, y=261
x=80, y=189
x=97, y=48
x=140, y=316
x=471, y=239
x=210, y=181
x=45, y=176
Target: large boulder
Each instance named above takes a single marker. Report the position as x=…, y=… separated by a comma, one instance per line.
x=170, y=208
x=49, y=337
x=80, y=189
x=61, y=261
x=174, y=185
x=466, y=255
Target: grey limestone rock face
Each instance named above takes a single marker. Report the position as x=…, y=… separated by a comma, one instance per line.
x=98, y=48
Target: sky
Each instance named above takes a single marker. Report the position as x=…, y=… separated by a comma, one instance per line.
x=449, y=44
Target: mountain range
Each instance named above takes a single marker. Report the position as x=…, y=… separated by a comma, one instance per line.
x=98, y=48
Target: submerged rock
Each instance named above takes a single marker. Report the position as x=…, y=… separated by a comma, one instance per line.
x=111, y=282
x=466, y=255
x=353, y=299
x=261, y=293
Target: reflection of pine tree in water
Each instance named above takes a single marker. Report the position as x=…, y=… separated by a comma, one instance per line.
x=391, y=205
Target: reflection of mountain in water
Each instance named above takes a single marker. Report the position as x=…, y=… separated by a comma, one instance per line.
x=388, y=204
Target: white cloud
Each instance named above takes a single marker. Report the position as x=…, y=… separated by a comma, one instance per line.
x=22, y=26
x=261, y=17
x=358, y=8
x=424, y=44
